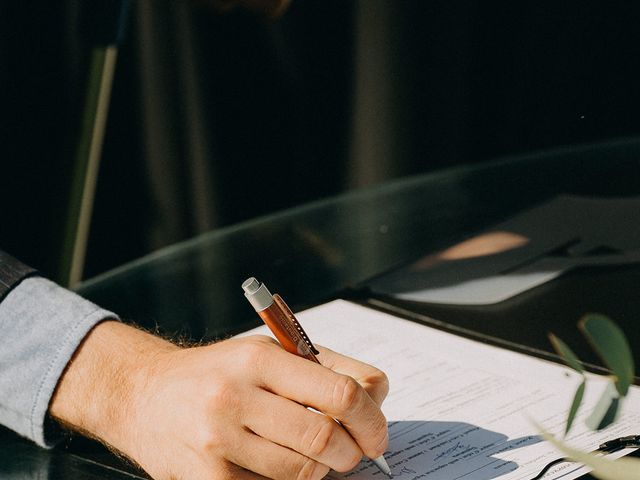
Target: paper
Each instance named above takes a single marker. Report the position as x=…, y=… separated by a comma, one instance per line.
x=527, y=250
x=459, y=409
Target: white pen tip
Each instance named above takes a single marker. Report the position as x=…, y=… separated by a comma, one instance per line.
x=382, y=465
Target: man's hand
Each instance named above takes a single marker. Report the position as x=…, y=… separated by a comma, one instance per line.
x=234, y=409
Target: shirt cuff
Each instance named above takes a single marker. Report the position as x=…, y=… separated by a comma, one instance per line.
x=41, y=326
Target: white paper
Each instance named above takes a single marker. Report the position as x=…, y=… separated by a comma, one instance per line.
x=483, y=291
x=562, y=234
x=460, y=409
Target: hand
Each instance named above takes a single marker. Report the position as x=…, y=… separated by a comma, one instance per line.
x=233, y=409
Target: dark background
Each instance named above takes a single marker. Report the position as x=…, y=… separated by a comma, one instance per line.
x=217, y=118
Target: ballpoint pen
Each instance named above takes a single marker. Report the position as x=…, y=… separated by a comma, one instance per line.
x=286, y=328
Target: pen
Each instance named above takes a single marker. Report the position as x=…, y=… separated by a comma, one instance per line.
x=282, y=322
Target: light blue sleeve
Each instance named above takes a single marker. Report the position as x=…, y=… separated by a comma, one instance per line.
x=41, y=326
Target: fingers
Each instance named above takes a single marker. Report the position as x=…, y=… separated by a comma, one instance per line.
x=337, y=395
x=373, y=380
x=271, y=460
x=314, y=435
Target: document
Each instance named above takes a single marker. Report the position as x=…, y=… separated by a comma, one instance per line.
x=461, y=409
x=530, y=249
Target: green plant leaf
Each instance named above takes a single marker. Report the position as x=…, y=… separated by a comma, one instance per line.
x=611, y=414
x=612, y=346
x=566, y=353
x=575, y=405
x=605, y=411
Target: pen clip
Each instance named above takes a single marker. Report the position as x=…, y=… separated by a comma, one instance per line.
x=287, y=311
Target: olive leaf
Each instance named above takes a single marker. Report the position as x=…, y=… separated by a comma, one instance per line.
x=566, y=353
x=575, y=405
x=572, y=360
x=611, y=345
x=613, y=348
x=606, y=410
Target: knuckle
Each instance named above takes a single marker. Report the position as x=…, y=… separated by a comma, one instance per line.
x=222, y=397
x=378, y=377
x=210, y=441
x=252, y=353
x=321, y=437
x=346, y=394
x=311, y=470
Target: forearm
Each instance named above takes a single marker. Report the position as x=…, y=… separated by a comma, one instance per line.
x=97, y=393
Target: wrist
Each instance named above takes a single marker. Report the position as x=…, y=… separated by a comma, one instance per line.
x=99, y=393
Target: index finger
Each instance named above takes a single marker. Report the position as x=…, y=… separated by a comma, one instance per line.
x=374, y=380
x=335, y=394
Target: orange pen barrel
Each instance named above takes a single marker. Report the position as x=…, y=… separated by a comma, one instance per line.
x=280, y=319
x=285, y=331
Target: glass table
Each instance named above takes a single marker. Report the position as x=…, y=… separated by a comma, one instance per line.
x=319, y=251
